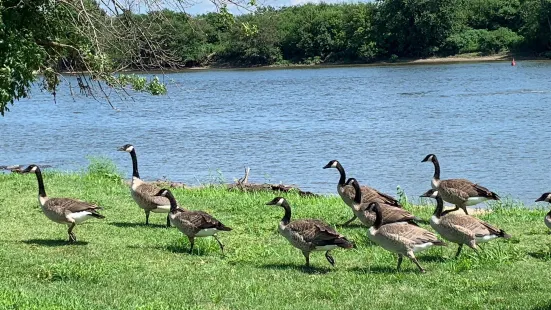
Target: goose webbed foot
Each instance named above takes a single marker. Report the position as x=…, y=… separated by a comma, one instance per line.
x=413, y=259
x=219, y=243
x=330, y=258
x=72, y=237
x=349, y=221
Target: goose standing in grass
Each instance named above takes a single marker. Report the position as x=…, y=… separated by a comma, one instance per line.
x=401, y=238
x=144, y=193
x=461, y=228
x=309, y=235
x=547, y=219
x=193, y=223
x=390, y=213
x=347, y=193
x=460, y=192
x=63, y=210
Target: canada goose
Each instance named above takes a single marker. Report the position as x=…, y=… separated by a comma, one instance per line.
x=547, y=198
x=401, y=238
x=309, y=235
x=144, y=193
x=390, y=213
x=368, y=194
x=460, y=228
x=193, y=223
x=460, y=192
x=63, y=210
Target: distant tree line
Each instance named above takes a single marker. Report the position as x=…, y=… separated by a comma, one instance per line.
x=353, y=33
x=97, y=39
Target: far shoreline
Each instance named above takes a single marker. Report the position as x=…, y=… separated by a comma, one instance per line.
x=462, y=58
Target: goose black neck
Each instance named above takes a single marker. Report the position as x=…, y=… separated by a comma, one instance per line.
x=436, y=168
x=173, y=203
x=41, y=190
x=439, y=207
x=342, y=180
x=287, y=217
x=358, y=194
x=135, y=172
x=378, y=217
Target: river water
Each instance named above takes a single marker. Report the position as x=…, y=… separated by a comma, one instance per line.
x=487, y=122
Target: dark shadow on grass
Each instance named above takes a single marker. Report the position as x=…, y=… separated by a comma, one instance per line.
x=303, y=268
x=542, y=255
x=53, y=242
x=135, y=225
x=174, y=248
x=385, y=269
x=544, y=306
x=432, y=258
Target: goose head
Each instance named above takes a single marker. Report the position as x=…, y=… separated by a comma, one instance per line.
x=431, y=193
x=545, y=197
x=278, y=202
x=430, y=157
x=126, y=148
x=31, y=168
x=332, y=164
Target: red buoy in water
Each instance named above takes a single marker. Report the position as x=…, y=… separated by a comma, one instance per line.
x=513, y=63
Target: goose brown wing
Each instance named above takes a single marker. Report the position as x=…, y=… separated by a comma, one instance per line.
x=148, y=191
x=393, y=214
x=72, y=205
x=370, y=195
x=471, y=224
x=464, y=188
x=411, y=233
x=202, y=220
x=316, y=232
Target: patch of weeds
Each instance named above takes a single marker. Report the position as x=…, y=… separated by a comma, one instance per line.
x=103, y=167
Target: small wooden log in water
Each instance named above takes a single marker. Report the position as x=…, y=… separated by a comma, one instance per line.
x=242, y=184
x=20, y=168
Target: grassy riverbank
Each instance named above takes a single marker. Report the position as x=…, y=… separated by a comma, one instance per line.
x=119, y=263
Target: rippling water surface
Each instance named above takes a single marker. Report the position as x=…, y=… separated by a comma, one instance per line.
x=487, y=122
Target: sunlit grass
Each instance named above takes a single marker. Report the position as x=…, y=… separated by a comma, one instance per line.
x=119, y=263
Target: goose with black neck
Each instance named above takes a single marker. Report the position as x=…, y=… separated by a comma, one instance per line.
x=63, y=210
x=309, y=235
x=460, y=192
x=144, y=193
x=193, y=223
x=347, y=193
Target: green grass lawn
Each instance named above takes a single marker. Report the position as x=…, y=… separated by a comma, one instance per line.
x=119, y=263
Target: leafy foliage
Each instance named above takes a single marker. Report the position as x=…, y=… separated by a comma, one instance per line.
x=43, y=38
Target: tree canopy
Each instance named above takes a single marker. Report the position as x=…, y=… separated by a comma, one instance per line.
x=98, y=40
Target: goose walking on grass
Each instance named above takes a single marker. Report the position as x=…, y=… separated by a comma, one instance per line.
x=63, y=210
x=390, y=213
x=461, y=228
x=309, y=235
x=460, y=192
x=401, y=238
x=144, y=193
x=547, y=198
x=347, y=192
x=193, y=223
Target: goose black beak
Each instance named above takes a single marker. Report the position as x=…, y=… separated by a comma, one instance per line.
x=121, y=149
x=327, y=166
